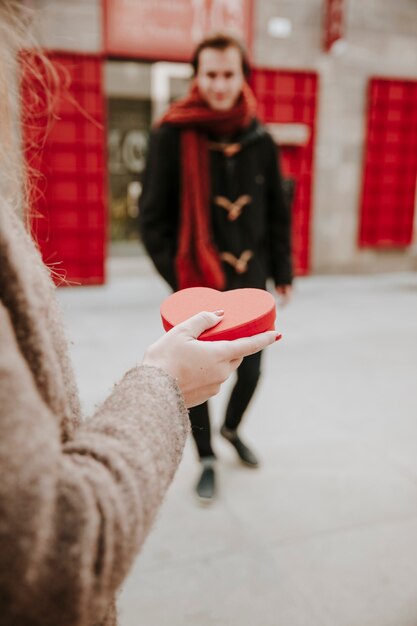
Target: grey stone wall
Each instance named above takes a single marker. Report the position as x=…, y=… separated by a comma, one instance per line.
x=380, y=41
x=74, y=25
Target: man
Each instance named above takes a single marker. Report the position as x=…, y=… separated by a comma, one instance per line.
x=213, y=212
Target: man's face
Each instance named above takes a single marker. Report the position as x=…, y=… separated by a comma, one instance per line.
x=220, y=77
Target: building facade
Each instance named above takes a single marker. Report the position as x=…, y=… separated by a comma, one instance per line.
x=336, y=82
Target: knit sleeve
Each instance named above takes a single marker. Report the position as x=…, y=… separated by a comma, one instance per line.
x=73, y=516
x=159, y=202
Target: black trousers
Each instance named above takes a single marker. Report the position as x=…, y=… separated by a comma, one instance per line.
x=247, y=379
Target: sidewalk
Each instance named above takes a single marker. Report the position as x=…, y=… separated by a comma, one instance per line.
x=325, y=532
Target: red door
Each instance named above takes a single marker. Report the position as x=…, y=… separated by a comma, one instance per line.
x=390, y=164
x=290, y=97
x=65, y=138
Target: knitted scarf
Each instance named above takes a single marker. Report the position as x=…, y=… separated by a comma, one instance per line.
x=197, y=261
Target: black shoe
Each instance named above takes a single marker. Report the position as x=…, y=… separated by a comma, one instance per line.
x=206, y=486
x=245, y=454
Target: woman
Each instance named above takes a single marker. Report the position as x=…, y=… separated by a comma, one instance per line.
x=77, y=498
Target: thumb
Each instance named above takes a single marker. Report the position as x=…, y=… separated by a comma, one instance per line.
x=197, y=324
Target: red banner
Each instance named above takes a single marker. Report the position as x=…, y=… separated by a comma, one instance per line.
x=169, y=29
x=334, y=23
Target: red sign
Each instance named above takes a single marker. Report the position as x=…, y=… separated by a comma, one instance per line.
x=169, y=29
x=334, y=23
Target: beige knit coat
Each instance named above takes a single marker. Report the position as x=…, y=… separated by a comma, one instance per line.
x=77, y=498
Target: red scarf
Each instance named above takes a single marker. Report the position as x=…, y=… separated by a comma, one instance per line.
x=197, y=262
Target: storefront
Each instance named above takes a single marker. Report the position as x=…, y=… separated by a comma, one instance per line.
x=106, y=106
x=347, y=135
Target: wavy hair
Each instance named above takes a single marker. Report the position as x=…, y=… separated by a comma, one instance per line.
x=28, y=82
x=222, y=41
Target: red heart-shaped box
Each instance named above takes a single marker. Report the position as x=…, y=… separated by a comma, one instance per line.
x=246, y=311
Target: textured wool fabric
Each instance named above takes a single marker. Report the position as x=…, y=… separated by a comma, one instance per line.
x=197, y=262
x=194, y=112
x=77, y=497
x=262, y=227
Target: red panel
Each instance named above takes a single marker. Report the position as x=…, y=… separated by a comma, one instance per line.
x=169, y=30
x=291, y=97
x=65, y=148
x=390, y=164
x=334, y=23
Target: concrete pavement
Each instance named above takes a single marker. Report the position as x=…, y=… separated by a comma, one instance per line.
x=325, y=532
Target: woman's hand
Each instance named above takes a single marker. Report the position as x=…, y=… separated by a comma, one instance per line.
x=200, y=367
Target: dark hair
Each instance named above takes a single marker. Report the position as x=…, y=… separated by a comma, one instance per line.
x=221, y=41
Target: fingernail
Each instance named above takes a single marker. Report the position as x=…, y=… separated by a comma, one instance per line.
x=219, y=313
x=278, y=337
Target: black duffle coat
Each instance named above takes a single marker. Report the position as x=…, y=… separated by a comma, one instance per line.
x=250, y=217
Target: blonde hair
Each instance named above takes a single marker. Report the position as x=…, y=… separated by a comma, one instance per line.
x=24, y=69
x=13, y=29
